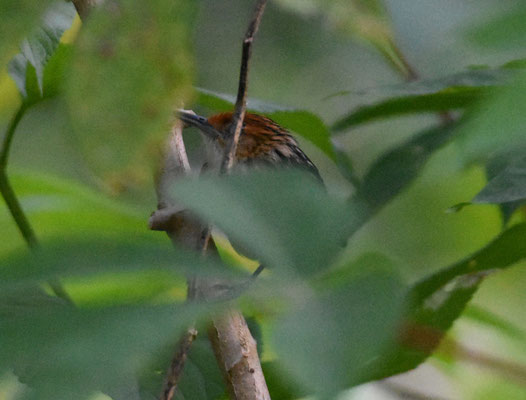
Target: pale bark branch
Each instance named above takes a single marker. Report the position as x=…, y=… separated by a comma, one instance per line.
x=244, y=380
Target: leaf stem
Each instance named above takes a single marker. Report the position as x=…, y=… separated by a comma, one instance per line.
x=12, y=201
x=5, y=187
x=8, y=138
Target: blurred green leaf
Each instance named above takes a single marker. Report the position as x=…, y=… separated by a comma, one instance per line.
x=508, y=186
x=30, y=64
x=91, y=255
x=343, y=330
x=81, y=351
x=479, y=77
x=395, y=170
x=60, y=208
x=504, y=251
x=497, y=124
x=201, y=378
x=505, y=31
x=280, y=384
x=449, y=99
x=435, y=302
x=130, y=69
x=17, y=19
x=18, y=301
x=285, y=218
x=451, y=92
x=302, y=122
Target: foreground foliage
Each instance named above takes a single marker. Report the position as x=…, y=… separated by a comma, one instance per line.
x=358, y=317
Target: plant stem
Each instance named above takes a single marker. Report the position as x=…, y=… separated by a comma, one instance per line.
x=14, y=205
x=16, y=211
x=5, y=187
x=8, y=138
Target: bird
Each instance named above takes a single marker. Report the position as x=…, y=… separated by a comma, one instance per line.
x=263, y=142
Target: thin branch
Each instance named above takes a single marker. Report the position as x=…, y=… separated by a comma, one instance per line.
x=240, y=107
x=177, y=364
x=12, y=202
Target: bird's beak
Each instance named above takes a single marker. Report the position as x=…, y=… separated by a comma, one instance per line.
x=192, y=119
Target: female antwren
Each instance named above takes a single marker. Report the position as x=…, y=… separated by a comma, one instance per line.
x=262, y=141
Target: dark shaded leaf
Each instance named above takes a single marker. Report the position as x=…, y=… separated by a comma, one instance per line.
x=398, y=168
x=506, y=250
x=443, y=94
x=445, y=100
x=507, y=186
x=480, y=77
x=302, y=122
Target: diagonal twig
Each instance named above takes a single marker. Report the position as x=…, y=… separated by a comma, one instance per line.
x=240, y=107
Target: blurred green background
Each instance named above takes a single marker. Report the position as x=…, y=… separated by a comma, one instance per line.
x=300, y=60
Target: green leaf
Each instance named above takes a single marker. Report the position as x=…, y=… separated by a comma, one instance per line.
x=507, y=186
x=81, y=351
x=480, y=77
x=283, y=218
x=451, y=92
x=504, y=251
x=201, y=378
x=87, y=256
x=445, y=100
x=28, y=68
x=17, y=19
x=62, y=208
x=437, y=301
x=343, y=330
x=280, y=384
x=130, y=69
x=505, y=31
x=394, y=171
x=497, y=124
x=302, y=122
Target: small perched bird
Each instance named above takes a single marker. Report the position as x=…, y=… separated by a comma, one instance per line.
x=262, y=141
